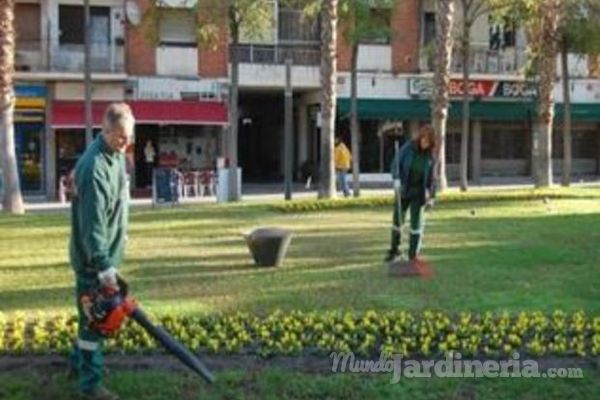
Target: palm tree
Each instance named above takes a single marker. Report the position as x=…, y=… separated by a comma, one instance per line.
x=544, y=32
x=472, y=10
x=441, y=81
x=328, y=96
x=360, y=23
x=12, y=201
x=579, y=34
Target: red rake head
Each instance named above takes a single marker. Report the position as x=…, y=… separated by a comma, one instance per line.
x=423, y=268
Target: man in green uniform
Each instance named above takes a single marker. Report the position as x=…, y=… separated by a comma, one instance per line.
x=99, y=215
x=412, y=172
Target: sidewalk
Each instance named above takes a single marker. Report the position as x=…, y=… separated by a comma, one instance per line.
x=253, y=192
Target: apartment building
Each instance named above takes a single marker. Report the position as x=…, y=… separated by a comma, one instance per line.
x=178, y=90
x=395, y=82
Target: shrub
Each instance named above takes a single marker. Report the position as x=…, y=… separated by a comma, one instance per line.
x=450, y=197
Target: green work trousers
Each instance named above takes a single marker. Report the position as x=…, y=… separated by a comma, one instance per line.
x=417, y=225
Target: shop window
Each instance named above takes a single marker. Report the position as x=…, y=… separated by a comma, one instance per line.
x=453, y=144
x=70, y=145
x=28, y=147
x=178, y=28
x=71, y=24
x=583, y=144
x=504, y=143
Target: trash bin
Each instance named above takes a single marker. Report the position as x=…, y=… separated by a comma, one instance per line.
x=225, y=181
x=268, y=246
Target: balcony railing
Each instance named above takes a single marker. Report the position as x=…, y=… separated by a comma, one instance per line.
x=277, y=54
x=41, y=56
x=510, y=60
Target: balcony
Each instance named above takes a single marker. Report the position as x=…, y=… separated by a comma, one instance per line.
x=509, y=61
x=307, y=55
x=41, y=57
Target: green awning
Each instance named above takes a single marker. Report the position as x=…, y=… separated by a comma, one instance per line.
x=482, y=110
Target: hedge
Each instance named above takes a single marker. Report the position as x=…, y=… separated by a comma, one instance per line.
x=428, y=333
x=451, y=197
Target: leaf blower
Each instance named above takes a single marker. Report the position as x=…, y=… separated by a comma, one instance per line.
x=107, y=309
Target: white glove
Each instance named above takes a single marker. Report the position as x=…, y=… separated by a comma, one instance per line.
x=397, y=184
x=108, y=278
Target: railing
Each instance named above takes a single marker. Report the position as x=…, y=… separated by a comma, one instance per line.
x=277, y=54
x=43, y=56
x=510, y=60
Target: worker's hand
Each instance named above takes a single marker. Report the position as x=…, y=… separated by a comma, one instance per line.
x=108, y=279
x=429, y=204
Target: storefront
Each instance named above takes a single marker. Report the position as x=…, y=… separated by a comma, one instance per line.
x=503, y=117
x=29, y=123
x=179, y=134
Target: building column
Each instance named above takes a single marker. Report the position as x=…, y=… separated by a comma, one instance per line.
x=302, y=134
x=476, y=152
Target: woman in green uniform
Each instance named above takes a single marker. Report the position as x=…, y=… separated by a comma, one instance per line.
x=413, y=175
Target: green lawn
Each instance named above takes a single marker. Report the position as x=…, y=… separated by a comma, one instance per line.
x=279, y=384
x=509, y=255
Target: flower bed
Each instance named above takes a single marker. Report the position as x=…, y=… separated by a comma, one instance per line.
x=430, y=334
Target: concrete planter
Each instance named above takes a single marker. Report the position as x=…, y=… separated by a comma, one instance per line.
x=268, y=246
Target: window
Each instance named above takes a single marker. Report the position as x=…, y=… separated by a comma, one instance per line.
x=379, y=31
x=428, y=28
x=27, y=24
x=71, y=25
x=294, y=26
x=177, y=28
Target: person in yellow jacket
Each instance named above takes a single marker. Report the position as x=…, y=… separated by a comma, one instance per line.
x=343, y=158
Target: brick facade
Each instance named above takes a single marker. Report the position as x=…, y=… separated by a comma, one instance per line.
x=344, y=51
x=140, y=52
x=213, y=61
x=405, y=36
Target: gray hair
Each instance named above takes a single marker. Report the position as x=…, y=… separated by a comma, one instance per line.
x=118, y=116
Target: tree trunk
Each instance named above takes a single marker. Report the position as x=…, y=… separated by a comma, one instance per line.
x=354, y=125
x=466, y=118
x=547, y=68
x=444, y=21
x=328, y=97
x=567, y=139
x=12, y=201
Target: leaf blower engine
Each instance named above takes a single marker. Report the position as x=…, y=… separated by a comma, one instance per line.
x=107, y=309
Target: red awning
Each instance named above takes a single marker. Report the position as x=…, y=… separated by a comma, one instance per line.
x=70, y=114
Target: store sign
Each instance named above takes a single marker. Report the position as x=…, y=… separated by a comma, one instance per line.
x=30, y=91
x=478, y=88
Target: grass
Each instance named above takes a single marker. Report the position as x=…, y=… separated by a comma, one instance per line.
x=503, y=255
x=282, y=384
